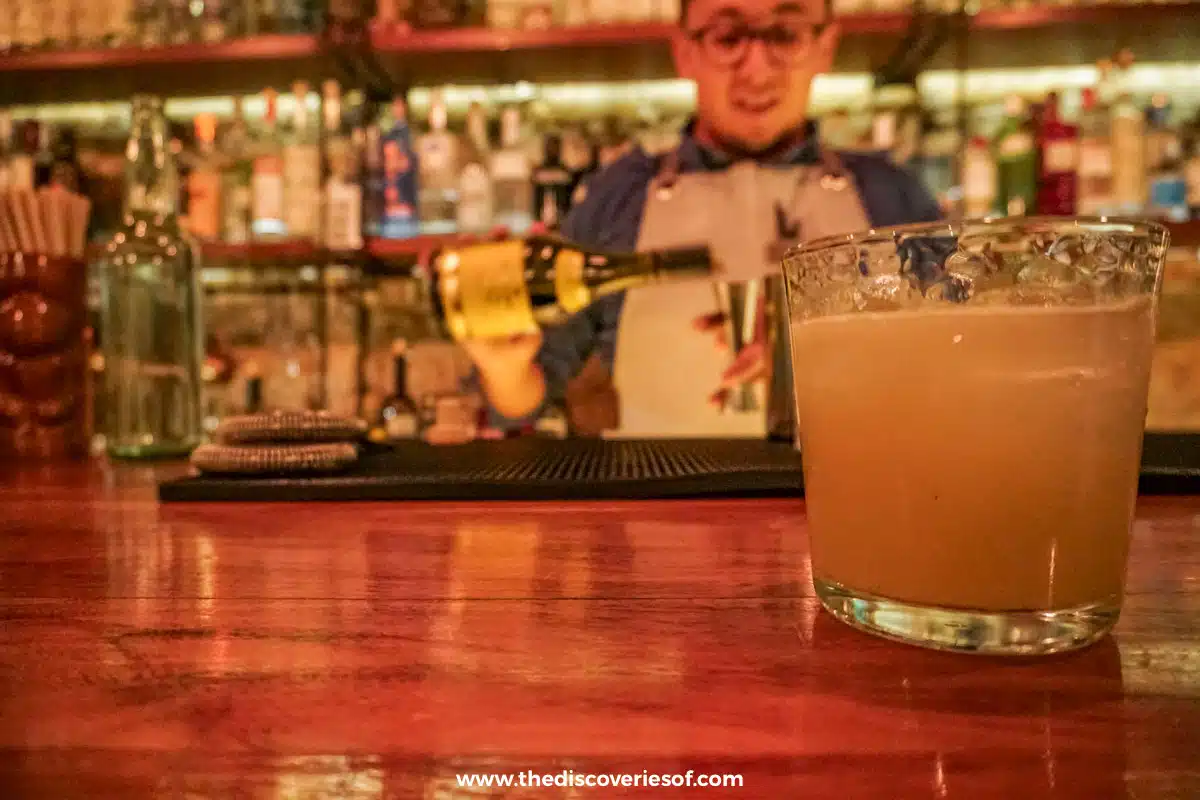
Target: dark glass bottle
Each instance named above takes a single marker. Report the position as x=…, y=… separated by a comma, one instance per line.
x=398, y=416
x=552, y=185
x=1058, y=162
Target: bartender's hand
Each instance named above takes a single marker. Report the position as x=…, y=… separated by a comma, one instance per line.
x=749, y=366
x=512, y=381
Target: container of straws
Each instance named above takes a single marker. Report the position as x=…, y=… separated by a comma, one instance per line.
x=45, y=404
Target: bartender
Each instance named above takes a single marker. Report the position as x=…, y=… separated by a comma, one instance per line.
x=749, y=178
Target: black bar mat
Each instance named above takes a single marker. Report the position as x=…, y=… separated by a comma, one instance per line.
x=528, y=469
x=1170, y=464
x=588, y=469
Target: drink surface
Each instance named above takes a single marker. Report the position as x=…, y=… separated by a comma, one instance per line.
x=982, y=457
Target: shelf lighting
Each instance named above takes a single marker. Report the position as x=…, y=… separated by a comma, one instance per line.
x=935, y=88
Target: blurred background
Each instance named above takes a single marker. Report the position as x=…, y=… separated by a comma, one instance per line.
x=511, y=106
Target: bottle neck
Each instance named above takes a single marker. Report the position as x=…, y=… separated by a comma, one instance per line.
x=151, y=179
x=400, y=376
x=333, y=114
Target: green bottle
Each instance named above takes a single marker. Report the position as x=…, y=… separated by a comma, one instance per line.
x=152, y=325
x=1016, y=161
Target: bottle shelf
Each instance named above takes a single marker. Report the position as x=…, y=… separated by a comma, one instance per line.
x=1038, y=35
x=255, y=48
x=397, y=255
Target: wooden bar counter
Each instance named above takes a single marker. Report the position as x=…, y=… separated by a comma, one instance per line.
x=381, y=650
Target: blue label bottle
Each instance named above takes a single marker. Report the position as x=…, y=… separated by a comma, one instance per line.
x=400, y=168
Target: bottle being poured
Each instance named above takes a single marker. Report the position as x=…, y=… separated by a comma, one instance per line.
x=495, y=290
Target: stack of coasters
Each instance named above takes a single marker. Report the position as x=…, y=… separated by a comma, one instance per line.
x=281, y=442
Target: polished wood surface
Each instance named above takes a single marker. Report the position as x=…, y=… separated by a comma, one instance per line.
x=378, y=650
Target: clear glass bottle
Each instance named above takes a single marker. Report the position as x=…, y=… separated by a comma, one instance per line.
x=150, y=24
x=302, y=170
x=343, y=192
x=438, y=153
x=476, y=203
x=204, y=182
x=237, y=193
x=511, y=175
x=267, y=183
x=152, y=324
x=1128, y=131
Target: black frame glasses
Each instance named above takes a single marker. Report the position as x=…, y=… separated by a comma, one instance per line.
x=725, y=43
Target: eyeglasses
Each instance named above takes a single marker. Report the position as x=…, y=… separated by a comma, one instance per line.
x=726, y=43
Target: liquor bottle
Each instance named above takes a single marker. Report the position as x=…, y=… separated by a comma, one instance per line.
x=400, y=170
x=118, y=29
x=150, y=25
x=252, y=396
x=445, y=13
x=58, y=25
x=398, y=417
x=267, y=181
x=552, y=185
x=210, y=21
x=6, y=148
x=204, y=183
x=554, y=423
x=302, y=171
x=1168, y=186
x=438, y=154
x=1016, y=161
x=574, y=13
x=182, y=28
x=499, y=289
x=66, y=169
x=151, y=308
x=1095, y=158
x=346, y=21
x=373, y=179
x=1058, y=162
x=343, y=192
x=511, y=173
x=1191, y=171
x=1160, y=136
x=8, y=19
x=936, y=144
x=979, y=179
x=292, y=16
x=43, y=158
x=476, y=201
x=505, y=14
x=265, y=14
x=608, y=11
x=27, y=26
x=477, y=128
x=91, y=22
x=1129, y=156
x=237, y=193
x=21, y=167
x=389, y=16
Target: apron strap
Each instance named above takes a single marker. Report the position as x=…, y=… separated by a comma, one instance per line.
x=667, y=174
x=834, y=175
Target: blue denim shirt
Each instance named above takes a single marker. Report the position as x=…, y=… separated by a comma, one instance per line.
x=609, y=218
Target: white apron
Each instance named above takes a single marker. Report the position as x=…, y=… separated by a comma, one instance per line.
x=665, y=370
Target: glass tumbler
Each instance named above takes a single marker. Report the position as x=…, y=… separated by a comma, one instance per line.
x=971, y=399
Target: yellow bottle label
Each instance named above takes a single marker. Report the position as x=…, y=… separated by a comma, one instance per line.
x=573, y=294
x=483, y=291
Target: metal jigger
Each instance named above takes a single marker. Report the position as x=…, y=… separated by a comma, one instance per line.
x=740, y=303
x=742, y=306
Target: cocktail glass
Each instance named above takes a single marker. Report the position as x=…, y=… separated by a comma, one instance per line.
x=971, y=401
